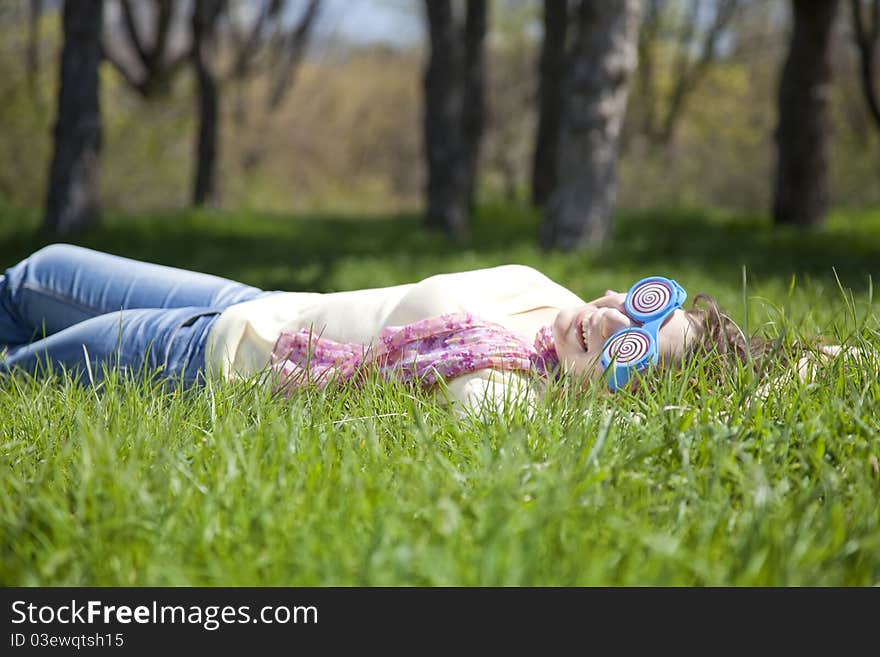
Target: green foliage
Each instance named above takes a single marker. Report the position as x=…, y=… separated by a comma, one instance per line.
x=684, y=484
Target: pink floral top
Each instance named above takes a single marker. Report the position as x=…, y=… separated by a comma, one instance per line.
x=445, y=346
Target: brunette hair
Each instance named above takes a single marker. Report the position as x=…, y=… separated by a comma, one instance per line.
x=720, y=336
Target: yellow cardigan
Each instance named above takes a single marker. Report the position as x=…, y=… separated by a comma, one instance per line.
x=515, y=296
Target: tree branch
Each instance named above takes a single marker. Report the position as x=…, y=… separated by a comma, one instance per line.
x=248, y=49
x=130, y=78
x=693, y=71
x=156, y=56
x=132, y=31
x=294, y=48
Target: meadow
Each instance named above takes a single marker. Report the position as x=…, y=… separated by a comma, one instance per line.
x=692, y=482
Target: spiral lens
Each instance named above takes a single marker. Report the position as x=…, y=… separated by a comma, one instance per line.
x=650, y=297
x=628, y=347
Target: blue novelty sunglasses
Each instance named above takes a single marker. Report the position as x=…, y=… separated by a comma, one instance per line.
x=648, y=303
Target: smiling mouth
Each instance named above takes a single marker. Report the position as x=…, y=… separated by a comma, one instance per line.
x=581, y=330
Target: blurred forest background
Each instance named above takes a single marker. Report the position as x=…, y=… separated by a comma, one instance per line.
x=330, y=106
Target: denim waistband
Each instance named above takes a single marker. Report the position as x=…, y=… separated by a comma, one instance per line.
x=185, y=351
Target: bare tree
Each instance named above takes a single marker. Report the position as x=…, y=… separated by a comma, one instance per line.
x=285, y=46
x=801, y=190
x=72, y=198
x=291, y=47
x=152, y=63
x=601, y=63
x=148, y=59
x=551, y=74
x=867, y=37
x=696, y=38
x=265, y=45
x=247, y=40
x=691, y=70
x=454, y=112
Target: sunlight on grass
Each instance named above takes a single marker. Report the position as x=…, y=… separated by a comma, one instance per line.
x=694, y=481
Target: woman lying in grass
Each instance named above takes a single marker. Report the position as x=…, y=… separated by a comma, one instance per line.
x=481, y=335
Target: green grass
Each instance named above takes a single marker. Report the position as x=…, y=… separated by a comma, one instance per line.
x=134, y=485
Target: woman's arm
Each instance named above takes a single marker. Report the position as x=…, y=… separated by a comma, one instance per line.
x=488, y=391
x=808, y=367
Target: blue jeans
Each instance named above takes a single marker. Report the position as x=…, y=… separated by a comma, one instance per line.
x=66, y=306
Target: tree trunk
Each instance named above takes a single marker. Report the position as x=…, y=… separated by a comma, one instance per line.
x=603, y=59
x=72, y=198
x=454, y=113
x=446, y=203
x=551, y=72
x=474, y=109
x=204, y=20
x=801, y=194
x=867, y=36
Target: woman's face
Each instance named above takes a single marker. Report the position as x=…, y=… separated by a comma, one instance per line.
x=580, y=333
